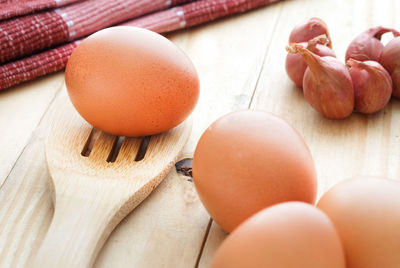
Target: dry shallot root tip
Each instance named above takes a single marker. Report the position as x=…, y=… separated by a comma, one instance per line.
x=390, y=59
x=368, y=45
x=318, y=45
x=320, y=39
x=372, y=85
x=327, y=84
x=293, y=48
x=308, y=56
x=308, y=30
x=296, y=66
x=184, y=167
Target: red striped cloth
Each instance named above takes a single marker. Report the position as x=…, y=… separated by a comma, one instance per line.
x=164, y=21
x=35, y=66
x=195, y=13
x=25, y=35
x=13, y=8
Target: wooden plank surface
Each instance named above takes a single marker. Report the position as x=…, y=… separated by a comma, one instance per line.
x=21, y=109
x=359, y=145
x=240, y=61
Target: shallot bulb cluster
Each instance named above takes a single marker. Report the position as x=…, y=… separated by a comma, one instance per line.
x=364, y=84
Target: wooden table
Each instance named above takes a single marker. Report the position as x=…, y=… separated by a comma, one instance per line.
x=240, y=61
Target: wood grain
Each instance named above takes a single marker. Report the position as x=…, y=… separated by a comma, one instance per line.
x=21, y=109
x=173, y=214
x=359, y=145
x=240, y=61
x=229, y=67
x=92, y=195
x=341, y=148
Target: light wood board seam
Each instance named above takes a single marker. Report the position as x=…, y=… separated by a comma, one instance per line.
x=265, y=56
x=203, y=243
x=37, y=127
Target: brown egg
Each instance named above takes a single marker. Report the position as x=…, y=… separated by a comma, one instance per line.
x=286, y=235
x=248, y=160
x=366, y=213
x=131, y=82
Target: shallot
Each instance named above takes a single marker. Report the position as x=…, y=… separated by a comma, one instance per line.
x=390, y=59
x=368, y=45
x=372, y=85
x=308, y=30
x=327, y=84
x=296, y=66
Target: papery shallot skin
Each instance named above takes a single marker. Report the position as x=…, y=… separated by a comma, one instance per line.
x=390, y=59
x=308, y=30
x=296, y=66
x=328, y=88
x=327, y=84
x=372, y=85
x=368, y=45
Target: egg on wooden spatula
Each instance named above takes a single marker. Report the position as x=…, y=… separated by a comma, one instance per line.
x=124, y=81
x=130, y=81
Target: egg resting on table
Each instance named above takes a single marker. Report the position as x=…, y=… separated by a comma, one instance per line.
x=287, y=235
x=130, y=81
x=366, y=213
x=249, y=160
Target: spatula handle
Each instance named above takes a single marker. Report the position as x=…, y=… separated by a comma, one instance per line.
x=81, y=224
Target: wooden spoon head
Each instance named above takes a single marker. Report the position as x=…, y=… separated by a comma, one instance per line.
x=70, y=135
x=92, y=192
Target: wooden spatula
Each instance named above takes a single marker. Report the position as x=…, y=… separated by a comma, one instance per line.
x=95, y=186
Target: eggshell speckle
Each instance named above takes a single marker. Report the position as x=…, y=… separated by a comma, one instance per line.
x=131, y=82
x=366, y=213
x=248, y=160
x=286, y=235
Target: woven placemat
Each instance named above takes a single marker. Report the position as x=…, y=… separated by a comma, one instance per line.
x=25, y=35
x=14, y=8
x=195, y=13
x=163, y=21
